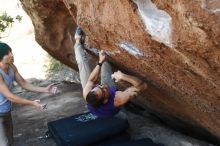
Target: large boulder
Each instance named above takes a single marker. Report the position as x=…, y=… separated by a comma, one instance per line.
x=172, y=45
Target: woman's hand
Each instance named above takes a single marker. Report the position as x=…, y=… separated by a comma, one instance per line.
x=37, y=104
x=51, y=89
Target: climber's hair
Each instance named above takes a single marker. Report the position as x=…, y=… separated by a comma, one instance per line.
x=93, y=99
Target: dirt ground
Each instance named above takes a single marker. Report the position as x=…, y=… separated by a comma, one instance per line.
x=30, y=124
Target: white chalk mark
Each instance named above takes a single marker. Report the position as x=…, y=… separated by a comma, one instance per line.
x=131, y=49
x=157, y=22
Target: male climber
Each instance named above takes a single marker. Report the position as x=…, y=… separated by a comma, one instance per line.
x=103, y=100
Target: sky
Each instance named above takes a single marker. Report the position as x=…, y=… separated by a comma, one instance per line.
x=29, y=56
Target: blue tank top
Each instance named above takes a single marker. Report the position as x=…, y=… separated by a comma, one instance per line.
x=5, y=104
x=105, y=110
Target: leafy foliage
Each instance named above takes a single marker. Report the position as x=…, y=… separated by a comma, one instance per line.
x=53, y=66
x=6, y=21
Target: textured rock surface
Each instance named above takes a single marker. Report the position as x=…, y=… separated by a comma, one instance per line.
x=173, y=45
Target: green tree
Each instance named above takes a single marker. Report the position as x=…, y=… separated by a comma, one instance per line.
x=7, y=21
x=52, y=66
